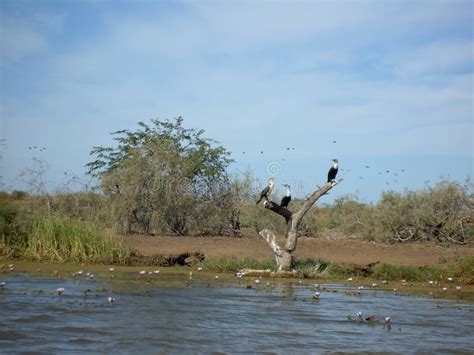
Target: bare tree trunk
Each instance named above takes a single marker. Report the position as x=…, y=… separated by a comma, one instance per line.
x=283, y=256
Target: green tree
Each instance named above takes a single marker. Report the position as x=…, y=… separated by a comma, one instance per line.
x=164, y=178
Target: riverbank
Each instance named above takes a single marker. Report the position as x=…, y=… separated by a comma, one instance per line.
x=345, y=251
x=207, y=272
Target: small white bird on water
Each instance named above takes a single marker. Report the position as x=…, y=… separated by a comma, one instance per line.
x=316, y=295
x=60, y=291
x=111, y=269
x=143, y=272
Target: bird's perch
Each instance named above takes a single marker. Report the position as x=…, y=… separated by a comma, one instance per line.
x=283, y=256
x=287, y=214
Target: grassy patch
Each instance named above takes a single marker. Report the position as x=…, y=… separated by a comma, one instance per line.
x=233, y=265
x=63, y=239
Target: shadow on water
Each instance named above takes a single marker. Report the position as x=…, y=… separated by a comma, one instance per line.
x=128, y=312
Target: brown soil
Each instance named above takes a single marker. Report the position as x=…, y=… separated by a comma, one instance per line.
x=341, y=251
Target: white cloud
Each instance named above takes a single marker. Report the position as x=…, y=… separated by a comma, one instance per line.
x=22, y=37
x=19, y=41
x=434, y=59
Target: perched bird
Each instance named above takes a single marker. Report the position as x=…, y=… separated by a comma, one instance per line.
x=287, y=198
x=333, y=170
x=266, y=191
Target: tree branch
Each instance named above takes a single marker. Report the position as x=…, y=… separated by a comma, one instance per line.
x=292, y=235
x=287, y=214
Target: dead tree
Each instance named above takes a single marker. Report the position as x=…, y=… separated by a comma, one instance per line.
x=283, y=255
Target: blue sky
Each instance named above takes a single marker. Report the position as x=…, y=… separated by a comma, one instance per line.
x=390, y=81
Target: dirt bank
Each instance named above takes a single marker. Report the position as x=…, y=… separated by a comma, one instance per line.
x=340, y=251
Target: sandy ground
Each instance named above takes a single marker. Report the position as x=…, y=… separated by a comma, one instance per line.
x=340, y=251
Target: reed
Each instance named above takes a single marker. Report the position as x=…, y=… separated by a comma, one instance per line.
x=59, y=238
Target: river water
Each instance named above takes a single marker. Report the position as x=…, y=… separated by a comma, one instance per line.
x=178, y=314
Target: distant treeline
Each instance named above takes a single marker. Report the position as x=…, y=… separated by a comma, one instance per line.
x=442, y=214
x=167, y=179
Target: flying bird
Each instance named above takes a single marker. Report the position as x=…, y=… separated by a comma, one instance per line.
x=333, y=170
x=266, y=191
x=287, y=198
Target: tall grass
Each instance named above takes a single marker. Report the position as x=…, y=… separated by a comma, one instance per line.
x=59, y=238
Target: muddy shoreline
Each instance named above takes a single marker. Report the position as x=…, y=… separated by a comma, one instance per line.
x=345, y=251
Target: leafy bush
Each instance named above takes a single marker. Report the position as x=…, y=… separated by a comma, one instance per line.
x=164, y=178
x=442, y=213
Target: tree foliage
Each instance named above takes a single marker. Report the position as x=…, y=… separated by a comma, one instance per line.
x=164, y=178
